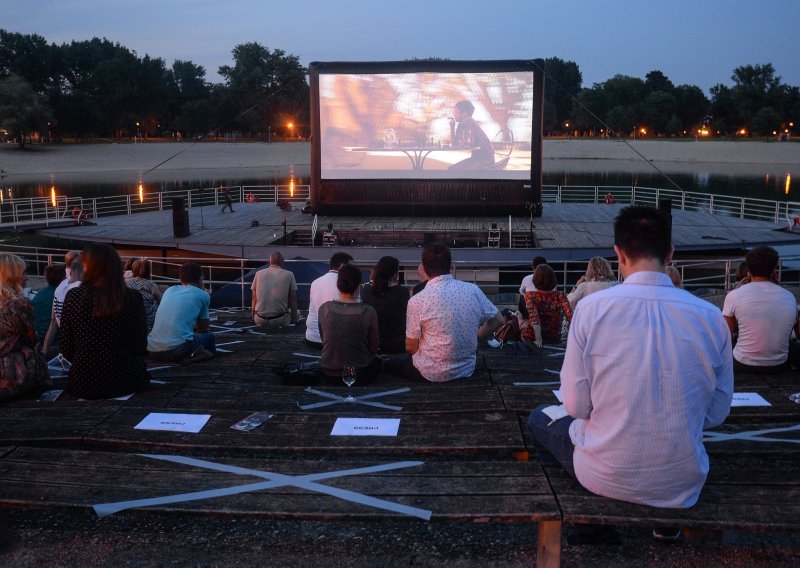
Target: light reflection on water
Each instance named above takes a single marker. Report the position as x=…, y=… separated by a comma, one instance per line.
x=777, y=187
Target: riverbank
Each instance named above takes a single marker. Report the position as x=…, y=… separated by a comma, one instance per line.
x=166, y=161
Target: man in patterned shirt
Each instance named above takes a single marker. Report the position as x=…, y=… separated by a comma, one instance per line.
x=443, y=323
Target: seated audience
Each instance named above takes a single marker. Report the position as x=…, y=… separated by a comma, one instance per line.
x=274, y=294
x=599, y=276
x=104, y=330
x=22, y=365
x=390, y=300
x=323, y=289
x=741, y=277
x=548, y=308
x=674, y=275
x=647, y=368
x=43, y=300
x=151, y=293
x=72, y=263
x=349, y=330
x=128, y=274
x=765, y=314
x=423, y=280
x=180, y=331
x=526, y=286
x=444, y=323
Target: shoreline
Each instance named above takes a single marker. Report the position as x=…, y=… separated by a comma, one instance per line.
x=157, y=162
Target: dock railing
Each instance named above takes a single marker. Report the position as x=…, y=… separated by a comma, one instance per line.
x=499, y=280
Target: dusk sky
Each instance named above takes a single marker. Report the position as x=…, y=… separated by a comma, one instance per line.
x=697, y=42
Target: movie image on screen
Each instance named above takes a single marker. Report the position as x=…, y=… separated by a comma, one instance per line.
x=426, y=125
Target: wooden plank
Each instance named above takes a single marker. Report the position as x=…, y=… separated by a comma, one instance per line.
x=51, y=424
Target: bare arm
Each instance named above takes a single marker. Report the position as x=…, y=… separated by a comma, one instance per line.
x=490, y=325
x=412, y=345
x=731, y=321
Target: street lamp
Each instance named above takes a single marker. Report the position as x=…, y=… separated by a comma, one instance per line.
x=291, y=130
x=137, y=131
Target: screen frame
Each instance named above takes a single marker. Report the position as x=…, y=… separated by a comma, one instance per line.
x=536, y=66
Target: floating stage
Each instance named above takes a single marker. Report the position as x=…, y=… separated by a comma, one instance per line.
x=565, y=231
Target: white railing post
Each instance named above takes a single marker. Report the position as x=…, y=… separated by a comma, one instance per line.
x=683, y=201
x=241, y=272
x=189, y=199
x=510, y=237
x=741, y=208
x=658, y=195
x=711, y=204
x=160, y=200
x=94, y=208
x=596, y=195
x=633, y=195
x=128, y=204
x=778, y=210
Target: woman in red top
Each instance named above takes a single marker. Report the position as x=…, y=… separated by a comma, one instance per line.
x=547, y=308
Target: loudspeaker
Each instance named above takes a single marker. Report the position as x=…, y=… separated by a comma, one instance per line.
x=180, y=218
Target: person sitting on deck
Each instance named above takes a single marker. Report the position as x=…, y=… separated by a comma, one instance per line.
x=323, y=289
x=390, y=301
x=43, y=300
x=71, y=262
x=444, y=323
x=674, y=275
x=104, y=330
x=647, y=368
x=274, y=294
x=180, y=331
x=599, y=276
x=151, y=293
x=765, y=314
x=349, y=331
x=22, y=365
x=548, y=309
x=527, y=286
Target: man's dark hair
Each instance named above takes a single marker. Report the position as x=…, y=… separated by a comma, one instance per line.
x=643, y=232
x=436, y=259
x=348, y=279
x=544, y=278
x=537, y=260
x=190, y=273
x=55, y=273
x=466, y=107
x=338, y=259
x=761, y=261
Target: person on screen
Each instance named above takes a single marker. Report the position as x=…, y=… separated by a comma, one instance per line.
x=465, y=133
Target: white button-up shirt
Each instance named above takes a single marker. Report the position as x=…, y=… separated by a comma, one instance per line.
x=323, y=289
x=648, y=366
x=445, y=318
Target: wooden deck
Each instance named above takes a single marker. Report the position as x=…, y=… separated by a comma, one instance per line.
x=467, y=452
x=565, y=231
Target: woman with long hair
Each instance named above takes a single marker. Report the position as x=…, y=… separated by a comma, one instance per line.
x=599, y=276
x=548, y=308
x=104, y=330
x=390, y=300
x=22, y=365
x=151, y=293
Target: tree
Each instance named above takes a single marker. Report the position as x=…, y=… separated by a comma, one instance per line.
x=27, y=56
x=269, y=87
x=563, y=81
x=691, y=105
x=766, y=121
x=657, y=109
x=657, y=81
x=589, y=108
x=22, y=110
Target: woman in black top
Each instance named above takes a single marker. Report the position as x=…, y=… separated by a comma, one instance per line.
x=390, y=300
x=104, y=330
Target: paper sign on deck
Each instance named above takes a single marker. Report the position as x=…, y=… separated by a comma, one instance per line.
x=748, y=399
x=173, y=422
x=366, y=427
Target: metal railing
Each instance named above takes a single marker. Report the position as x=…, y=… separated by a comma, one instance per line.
x=19, y=211
x=500, y=280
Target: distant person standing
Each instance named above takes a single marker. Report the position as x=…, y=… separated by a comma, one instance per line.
x=465, y=133
x=274, y=292
x=228, y=201
x=323, y=289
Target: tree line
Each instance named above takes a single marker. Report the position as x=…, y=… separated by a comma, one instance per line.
x=97, y=88
x=758, y=103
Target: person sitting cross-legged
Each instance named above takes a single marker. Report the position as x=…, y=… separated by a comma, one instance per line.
x=548, y=309
x=647, y=368
x=180, y=331
x=274, y=294
x=349, y=331
x=765, y=314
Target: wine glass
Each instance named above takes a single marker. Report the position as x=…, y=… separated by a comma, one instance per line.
x=349, y=377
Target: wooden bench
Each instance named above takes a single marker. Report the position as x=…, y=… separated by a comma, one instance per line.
x=447, y=491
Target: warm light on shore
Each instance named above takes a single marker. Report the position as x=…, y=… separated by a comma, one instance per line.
x=788, y=183
x=53, y=195
x=141, y=192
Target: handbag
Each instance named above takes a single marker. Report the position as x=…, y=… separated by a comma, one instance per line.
x=509, y=331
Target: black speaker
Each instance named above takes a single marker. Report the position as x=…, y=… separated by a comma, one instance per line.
x=180, y=218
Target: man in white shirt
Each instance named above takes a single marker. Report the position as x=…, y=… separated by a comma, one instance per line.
x=444, y=323
x=323, y=289
x=765, y=314
x=647, y=368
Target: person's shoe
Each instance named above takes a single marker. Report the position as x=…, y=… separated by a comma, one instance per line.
x=493, y=343
x=593, y=534
x=670, y=534
x=198, y=355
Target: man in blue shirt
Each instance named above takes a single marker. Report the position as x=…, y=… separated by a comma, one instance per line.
x=180, y=330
